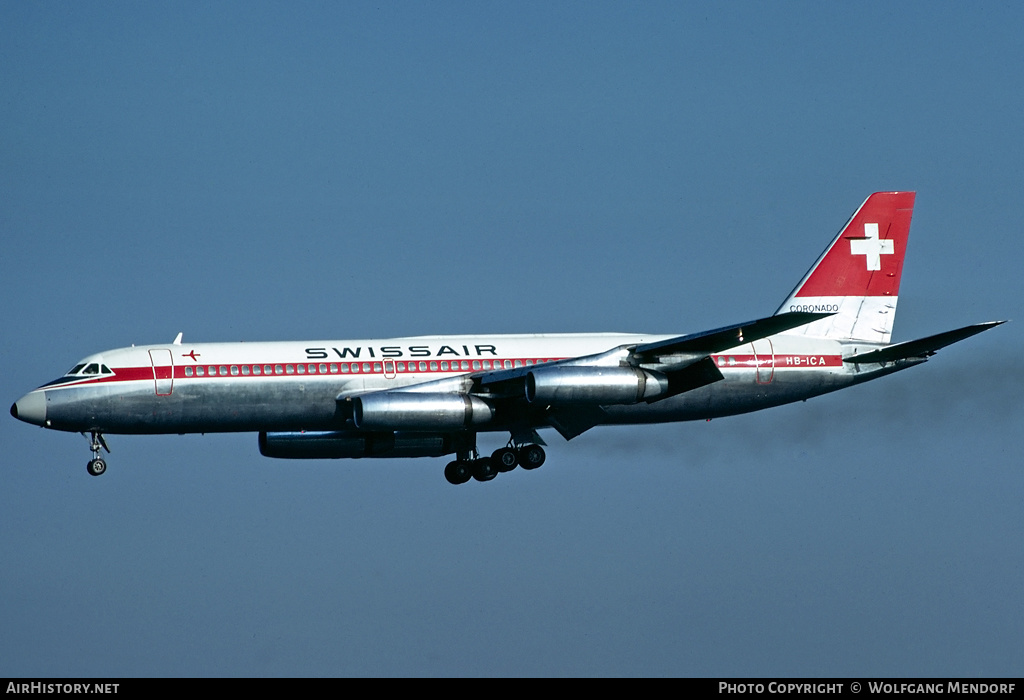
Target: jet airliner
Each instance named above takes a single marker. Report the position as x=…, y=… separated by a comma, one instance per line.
x=430, y=396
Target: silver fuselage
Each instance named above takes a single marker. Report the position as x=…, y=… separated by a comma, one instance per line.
x=289, y=386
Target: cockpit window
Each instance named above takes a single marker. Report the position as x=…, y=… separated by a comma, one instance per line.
x=91, y=371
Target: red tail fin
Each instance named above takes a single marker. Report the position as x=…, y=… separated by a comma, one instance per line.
x=857, y=278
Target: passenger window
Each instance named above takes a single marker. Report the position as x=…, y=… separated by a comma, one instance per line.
x=234, y=370
x=245, y=370
x=323, y=369
x=188, y=371
x=200, y=371
x=476, y=364
x=278, y=369
x=289, y=369
x=256, y=369
x=433, y=366
x=302, y=369
x=222, y=370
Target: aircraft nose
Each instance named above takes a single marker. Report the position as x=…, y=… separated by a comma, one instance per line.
x=31, y=408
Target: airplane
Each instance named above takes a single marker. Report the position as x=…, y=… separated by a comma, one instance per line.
x=430, y=396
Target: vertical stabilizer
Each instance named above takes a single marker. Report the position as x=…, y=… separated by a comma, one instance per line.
x=857, y=278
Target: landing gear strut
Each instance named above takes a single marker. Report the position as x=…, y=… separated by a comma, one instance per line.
x=470, y=465
x=96, y=465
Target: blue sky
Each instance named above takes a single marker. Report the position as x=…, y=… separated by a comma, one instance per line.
x=267, y=171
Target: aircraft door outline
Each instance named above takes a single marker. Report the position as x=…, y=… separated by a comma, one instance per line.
x=163, y=371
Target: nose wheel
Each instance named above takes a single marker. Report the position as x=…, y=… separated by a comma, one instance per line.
x=97, y=465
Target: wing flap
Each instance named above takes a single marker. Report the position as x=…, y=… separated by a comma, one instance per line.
x=572, y=422
x=691, y=377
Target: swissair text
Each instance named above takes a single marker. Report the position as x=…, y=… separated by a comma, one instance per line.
x=395, y=351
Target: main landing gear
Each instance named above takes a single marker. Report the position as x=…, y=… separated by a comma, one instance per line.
x=470, y=465
x=96, y=465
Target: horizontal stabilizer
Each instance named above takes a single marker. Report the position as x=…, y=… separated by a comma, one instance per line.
x=925, y=347
x=707, y=342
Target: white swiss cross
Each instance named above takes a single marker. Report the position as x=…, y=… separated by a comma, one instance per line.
x=871, y=247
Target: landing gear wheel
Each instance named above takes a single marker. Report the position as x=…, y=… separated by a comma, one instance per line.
x=457, y=472
x=96, y=465
x=484, y=469
x=505, y=459
x=531, y=456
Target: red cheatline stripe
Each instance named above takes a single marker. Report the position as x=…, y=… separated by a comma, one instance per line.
x=778, y=361
x=290, y=369
x=376, y=367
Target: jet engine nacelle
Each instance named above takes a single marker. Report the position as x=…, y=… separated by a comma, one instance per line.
x=401, y=410
x=593, y=385
x=339, y=444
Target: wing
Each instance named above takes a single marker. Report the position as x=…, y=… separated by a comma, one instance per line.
x=674, y=353
x=569, y=395
x=701, y=345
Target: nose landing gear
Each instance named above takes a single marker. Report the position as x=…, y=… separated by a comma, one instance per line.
x=96, y=465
